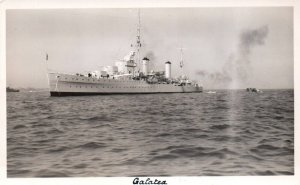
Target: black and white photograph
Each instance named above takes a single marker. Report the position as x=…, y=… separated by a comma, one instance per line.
x=150, y=93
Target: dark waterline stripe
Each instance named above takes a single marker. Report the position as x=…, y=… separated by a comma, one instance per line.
x=52, y=93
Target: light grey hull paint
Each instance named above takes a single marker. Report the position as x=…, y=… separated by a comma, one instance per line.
x=81, y=84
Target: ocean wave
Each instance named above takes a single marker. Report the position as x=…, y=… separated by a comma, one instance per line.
x=18, y=172
x=51, y=173
x=270, y=150
x=219, y=127
x=59, y=149
x=192, y=130
x=266, y=172
x=117, y=150
x=91, y=145
x=55, y=131
x=198, y=152
x=165, y=134
x=284, y=172
x=99, y=118
x=80, y=166
x=19, y=127
x=164, y=157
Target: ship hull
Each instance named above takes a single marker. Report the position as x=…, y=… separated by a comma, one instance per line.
x=73, y=85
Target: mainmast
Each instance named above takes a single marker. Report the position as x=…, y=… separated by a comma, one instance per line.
x=181, y=60
x=181, y=57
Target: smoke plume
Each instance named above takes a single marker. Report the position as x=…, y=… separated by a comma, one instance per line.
x=251, y=38
x=150, y=55
x=237, y=68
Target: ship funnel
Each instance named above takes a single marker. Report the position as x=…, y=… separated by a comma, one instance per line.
x=145, y=65
x=168, y=69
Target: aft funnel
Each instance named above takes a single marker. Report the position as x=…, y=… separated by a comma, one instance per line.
x=145, y=65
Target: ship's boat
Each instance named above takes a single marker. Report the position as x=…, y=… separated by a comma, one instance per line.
x=9, y=89
x=129, y=75
x=211, y=92
x=253, y=90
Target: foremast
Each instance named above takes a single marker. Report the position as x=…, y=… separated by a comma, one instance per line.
x=138, y=43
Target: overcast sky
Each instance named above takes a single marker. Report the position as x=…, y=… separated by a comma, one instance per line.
x=223, y=47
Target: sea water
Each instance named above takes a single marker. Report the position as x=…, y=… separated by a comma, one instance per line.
x=230, y=132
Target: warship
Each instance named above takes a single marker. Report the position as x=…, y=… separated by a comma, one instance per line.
x=129, y=75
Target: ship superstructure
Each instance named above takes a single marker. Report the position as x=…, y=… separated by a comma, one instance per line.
x=129, y=75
